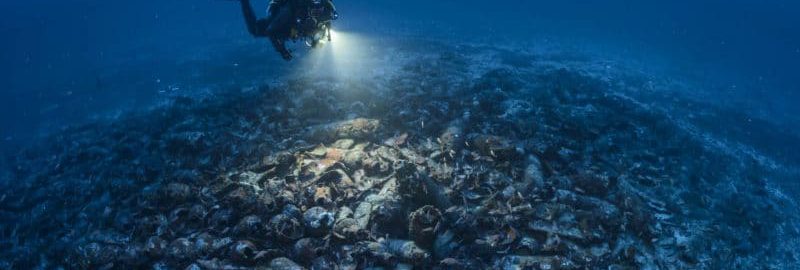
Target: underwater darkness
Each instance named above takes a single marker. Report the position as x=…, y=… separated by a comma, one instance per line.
x=443, y=134
x=744, y=49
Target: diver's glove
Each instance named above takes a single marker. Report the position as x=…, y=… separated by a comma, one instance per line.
x=280, y=46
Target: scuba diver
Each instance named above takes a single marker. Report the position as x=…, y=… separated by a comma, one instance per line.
x=289, y=19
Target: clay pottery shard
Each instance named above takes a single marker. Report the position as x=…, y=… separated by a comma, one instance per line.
x=267, y=203
x=563, y=230
x=153, y=225
x=284, y=263
x=354, y=158
x=307, y=249
x=605, y=211
x=318, y=221
x=396, y=141
x=346, y=229
x=423, y=224
x=592, y=183
x=203, y=242
x=363, y=214
x=243, y=252
x=497, y=147
x=287, y=226
x=109, y=237
x=175, y=193
x=387, y=212
x=374, y=251
x=359, y=128
x=444, y=245
x=406, y=251
x=323, y=195
x=131, y=255
x=533, y=177
x=318, y=152
x=155, y=247
x=212, y=264
x=327, y=263
x=95, y=255
x=182, y=249
x=276, y=165
x=376, y=167
x=338, y=180
x=178, y=218
x=282, y=162
x=218, y=246
x=197, y=213
x=534, y=262
x=220, y=218
x=452, y=139
x=343, y=144
x=337, y=177
x=242, y=197
x=422, y=188
x=285, y=197
x=249, y=226
x=528, y=245
x=344, y=212
x=332, y=156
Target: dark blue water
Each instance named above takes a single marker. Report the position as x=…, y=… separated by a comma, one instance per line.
x=759, y=38
x=683, y=116
x=58, y=54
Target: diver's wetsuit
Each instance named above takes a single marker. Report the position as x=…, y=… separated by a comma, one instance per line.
x=277, y=25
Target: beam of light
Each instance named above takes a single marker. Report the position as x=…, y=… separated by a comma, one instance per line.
x=348, y=56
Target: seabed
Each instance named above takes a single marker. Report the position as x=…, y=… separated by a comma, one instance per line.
x=433, y=156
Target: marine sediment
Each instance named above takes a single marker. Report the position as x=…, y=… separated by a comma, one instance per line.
x=447, y=163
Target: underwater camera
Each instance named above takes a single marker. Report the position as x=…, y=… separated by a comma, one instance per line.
x=315, y=27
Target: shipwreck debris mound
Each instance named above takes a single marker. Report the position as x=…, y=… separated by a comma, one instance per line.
x=450, y=165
